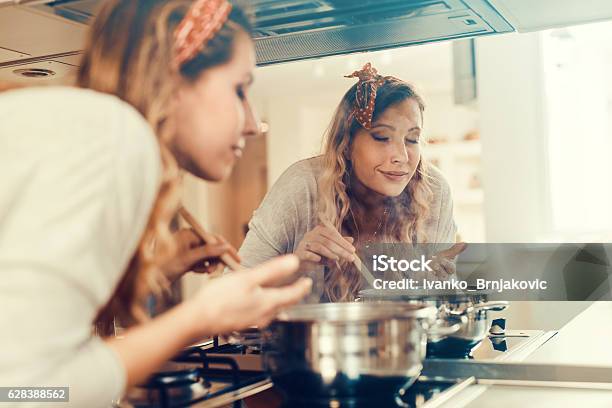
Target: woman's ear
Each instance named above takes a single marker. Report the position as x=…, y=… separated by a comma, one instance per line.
x=347, y=152
x=179, y=94
x=183, y=87
x=348, y=155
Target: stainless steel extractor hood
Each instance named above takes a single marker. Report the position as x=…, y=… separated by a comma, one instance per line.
x=289, y=30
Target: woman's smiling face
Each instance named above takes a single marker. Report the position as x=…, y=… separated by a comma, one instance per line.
x=385, y=157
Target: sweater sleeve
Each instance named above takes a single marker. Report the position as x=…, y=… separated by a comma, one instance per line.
x=82, y=179
x=442, y=228
x=284, y=216
x=447, y=229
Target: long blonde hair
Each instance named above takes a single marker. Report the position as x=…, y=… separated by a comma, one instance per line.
x=409, y=211
x=129, y=54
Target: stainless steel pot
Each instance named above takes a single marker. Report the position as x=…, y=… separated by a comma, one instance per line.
x=345, y=350
x=473, y=307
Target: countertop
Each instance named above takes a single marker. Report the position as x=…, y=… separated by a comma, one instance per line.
x=585, y=340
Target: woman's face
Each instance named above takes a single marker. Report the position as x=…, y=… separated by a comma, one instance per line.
x=386, y=156
x=213, y=115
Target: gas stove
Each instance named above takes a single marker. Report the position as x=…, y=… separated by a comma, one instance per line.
x=221, y=375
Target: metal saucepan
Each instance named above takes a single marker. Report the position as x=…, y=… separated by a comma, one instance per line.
x=473, y=307
x=345, y=350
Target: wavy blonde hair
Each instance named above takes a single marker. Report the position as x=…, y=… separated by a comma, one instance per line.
x=129, y=53
x=410, y=210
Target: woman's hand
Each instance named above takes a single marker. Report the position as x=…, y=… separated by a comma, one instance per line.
x=231, y=302
x=324, y=244
x=193, y=255
x=246, y=298
x=443, y=264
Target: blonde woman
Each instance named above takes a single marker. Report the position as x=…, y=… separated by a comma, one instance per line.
x=90, y=185
x=370, y=185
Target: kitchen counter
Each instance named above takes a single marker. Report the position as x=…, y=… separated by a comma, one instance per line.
x=584, y=340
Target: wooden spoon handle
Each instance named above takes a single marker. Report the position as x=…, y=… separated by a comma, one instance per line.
x=226, y=258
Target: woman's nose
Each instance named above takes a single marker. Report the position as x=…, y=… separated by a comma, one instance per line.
x=399, y=154
x=251, y=120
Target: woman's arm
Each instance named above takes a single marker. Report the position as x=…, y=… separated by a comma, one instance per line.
x=231, y=302
x=284, y=215
x=446, y=229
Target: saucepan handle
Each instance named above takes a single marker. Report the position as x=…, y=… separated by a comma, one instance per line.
x=446, y=327
x=246, y=337
x=494, y=305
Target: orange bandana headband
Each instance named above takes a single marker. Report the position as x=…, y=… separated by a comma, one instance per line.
x=201, y=23
x=365, y=98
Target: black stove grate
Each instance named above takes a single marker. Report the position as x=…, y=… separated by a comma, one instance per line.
x=212, y=368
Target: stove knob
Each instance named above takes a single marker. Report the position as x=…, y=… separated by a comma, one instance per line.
x=498, y=327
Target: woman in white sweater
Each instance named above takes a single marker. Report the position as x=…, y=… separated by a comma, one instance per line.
x=90, y=183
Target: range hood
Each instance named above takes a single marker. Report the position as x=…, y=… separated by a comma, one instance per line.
x=289, y=30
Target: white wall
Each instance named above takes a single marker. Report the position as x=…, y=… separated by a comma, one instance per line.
x=297, y=125
x=545, y=102
x=513, y=142
x=578, y=88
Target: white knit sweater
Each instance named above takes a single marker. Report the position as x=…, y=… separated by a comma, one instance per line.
x=79, y=173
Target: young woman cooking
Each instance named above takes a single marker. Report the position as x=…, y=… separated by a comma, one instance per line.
x=91, y=183
x=370, y=185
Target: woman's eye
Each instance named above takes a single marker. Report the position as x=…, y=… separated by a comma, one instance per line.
x=379, y=138
x=240, y=92
x=412, y=140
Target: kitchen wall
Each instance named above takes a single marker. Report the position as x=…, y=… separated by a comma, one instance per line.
x=513, y=156
x=545, y=104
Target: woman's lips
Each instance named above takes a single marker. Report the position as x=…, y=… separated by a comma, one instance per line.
x=395, y=175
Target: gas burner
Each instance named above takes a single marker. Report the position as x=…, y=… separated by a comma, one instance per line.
x=197, y=374
x=422, y=391
x=382, y=402
x=170, y=388
x=460, y=352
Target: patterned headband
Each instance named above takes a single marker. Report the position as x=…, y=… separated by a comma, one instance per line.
x=201, y=23
x=369, y=81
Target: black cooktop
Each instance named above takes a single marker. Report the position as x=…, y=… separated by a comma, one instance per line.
x=422, y=391
x=225, y=375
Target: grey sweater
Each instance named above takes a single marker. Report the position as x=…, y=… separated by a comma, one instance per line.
x=289, y=211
